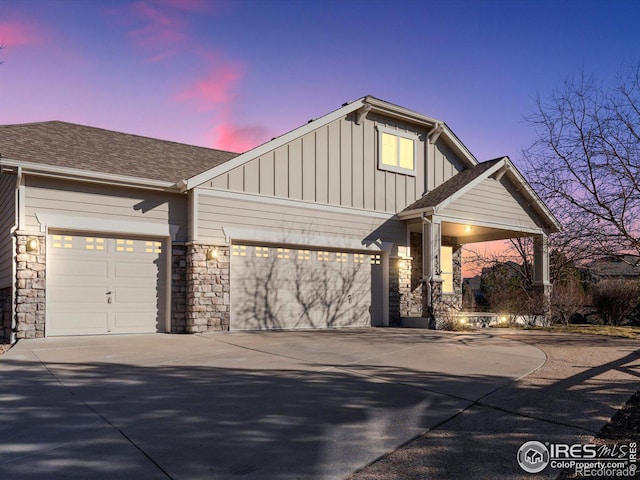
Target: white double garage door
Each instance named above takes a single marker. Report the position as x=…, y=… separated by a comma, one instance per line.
x=284, y=287
x=100, y=284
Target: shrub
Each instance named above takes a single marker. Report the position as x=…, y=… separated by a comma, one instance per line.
x=615, y=299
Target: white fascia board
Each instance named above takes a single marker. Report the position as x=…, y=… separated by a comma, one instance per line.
x=402, y=113
x=417, y=213
x=397, y=111
x=537, y=202
x=269, y=146
x=45, y=170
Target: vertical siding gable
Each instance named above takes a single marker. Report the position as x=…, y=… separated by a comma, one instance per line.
x=496, y=202
x=309, y=167
x=445, y=164
x=337, y=164
x=322, y=164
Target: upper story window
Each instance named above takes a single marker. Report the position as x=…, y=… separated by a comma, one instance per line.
x=396, y=151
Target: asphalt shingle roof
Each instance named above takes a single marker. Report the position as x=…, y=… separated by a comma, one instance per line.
x=93, y=149
x=451, y=186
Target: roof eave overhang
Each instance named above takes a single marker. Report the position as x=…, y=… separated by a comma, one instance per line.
x=401, y=113
x=52, y=171
x=416, y=213
x=535, y=201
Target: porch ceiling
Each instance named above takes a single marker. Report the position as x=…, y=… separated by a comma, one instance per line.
x=469, y=233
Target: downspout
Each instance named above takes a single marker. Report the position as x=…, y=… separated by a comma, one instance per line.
x=432, y=136
x=14, y=243
x=435, y=132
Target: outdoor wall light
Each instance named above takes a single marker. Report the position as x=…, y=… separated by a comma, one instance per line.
x=468, y=228
x=32, y=245
x=212, y=254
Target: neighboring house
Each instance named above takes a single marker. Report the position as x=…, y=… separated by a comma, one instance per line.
x=353, y=219
x=625, y=266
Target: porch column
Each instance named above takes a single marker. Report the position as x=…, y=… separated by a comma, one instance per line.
x=541, y=260
x=431, y=240
x=541, y=282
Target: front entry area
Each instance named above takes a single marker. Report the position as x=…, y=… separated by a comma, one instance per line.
x=103, y=284
x=280, y=287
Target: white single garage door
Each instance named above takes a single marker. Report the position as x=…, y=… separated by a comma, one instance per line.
x=289, y=288
x=100, y=285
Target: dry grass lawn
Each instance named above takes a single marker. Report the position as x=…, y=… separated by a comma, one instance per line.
x=608, y=330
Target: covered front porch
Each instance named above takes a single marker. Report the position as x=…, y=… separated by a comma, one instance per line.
x=430, y=269
x=488, y=202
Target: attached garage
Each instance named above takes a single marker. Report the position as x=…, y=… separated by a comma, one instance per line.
x=101, y=284
x=285, y=287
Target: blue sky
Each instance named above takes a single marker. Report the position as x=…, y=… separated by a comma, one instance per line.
x=233, y=74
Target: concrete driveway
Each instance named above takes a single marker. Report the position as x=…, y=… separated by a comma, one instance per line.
x=276, y=405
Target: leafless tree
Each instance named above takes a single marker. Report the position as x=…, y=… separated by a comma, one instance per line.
x=585, y=163
x=567, y=299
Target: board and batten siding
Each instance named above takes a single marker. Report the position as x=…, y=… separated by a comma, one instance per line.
x=292, y=224
x=7, y=222
x=63, y=197
x=337, y=164
x=495, y=202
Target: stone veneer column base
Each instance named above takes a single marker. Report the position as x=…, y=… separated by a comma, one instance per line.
x=30, y=286
x=207, y=288
x=179, y=288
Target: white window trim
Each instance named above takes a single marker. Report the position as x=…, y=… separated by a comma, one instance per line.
x=397, y=133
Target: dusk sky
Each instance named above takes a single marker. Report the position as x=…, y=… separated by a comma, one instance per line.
x=233, y=74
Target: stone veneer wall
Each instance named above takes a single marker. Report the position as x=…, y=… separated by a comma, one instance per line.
x=30, y=286
x=417, y=306
x=395, y=292
x=456, y=297
x=445, y=305
x=179, y=288
x=5, y=315
x=208, y=287
x=404, y=285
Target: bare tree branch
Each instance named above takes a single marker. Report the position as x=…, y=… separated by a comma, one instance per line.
x=585, y=163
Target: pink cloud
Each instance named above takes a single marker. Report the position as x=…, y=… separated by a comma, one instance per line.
x=17, y=33
x=197, y=6
x=215, y=89
x=158, y=29
x=235, y=138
